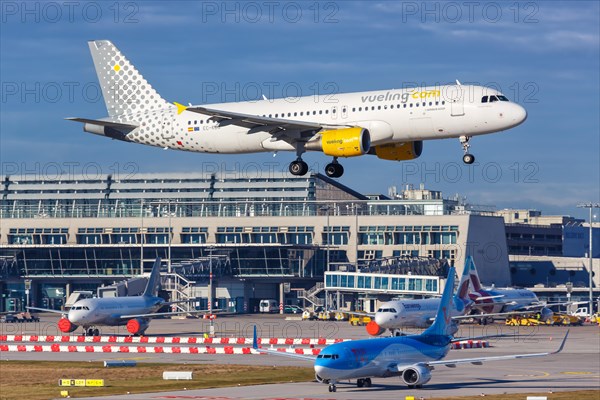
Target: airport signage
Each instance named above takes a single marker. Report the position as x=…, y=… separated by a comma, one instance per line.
x=81, y=382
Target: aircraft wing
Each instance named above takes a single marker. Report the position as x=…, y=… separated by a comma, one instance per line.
x=481, y=360
x=163, y=314
x=483, y=315
x=47, y=310
x=257, y=123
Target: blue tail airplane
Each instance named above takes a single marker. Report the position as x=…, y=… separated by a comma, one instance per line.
x=412, y=358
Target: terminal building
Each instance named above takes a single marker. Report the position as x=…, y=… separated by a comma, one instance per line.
x=261, y=236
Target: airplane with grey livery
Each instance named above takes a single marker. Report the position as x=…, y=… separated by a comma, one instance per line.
x=135, y=312
x=389, y=124
x=412, y=358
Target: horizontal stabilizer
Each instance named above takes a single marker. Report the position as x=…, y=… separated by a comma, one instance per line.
x=116, y=125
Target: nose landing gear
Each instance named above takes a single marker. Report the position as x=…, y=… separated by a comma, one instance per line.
x=467, y=157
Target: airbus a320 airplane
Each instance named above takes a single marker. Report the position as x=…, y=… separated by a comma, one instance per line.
x=135, y=312
x=390, y=124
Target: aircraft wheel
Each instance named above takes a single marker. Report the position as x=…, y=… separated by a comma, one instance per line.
x=90, y=332
x=298, y=168
x=468, y=158
x=332, y=388
x=368, y=382
x=360, y=383
x=334, y=170
x=96, y=332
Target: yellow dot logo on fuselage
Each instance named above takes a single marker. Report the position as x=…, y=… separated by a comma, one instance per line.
x=117, y=67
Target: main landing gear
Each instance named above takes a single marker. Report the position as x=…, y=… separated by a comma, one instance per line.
x=91, y=332
x=298, y=167
x=467, y=157
x=366, y=382
x=332, y=170
x=332, y=387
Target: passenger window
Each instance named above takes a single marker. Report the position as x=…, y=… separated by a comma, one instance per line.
x=484, y=99
x=404, y=105
x=411, y=104
x=301, y=113
x=295, y=114
x=314, y=113
x=379, y=107
x=195, y=122
x=320, y=112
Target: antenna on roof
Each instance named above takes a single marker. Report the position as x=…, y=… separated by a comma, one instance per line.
x=265, y=97
x=458, y=83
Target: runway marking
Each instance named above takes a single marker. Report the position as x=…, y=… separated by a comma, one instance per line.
x=577, y=372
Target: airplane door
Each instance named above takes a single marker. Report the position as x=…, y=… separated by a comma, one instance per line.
x=167, y=126
x=344, y=112
x=457, y=101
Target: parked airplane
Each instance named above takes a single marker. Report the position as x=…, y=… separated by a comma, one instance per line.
x=505, y=301
x=390, y=124
x=418, y=313
x=134, y=312
x=410, y=357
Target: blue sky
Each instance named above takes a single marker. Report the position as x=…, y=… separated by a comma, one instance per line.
x=544, y=55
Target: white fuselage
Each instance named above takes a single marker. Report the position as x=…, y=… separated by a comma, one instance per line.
x=108, y=311
x=418, y=313
x=391, y=116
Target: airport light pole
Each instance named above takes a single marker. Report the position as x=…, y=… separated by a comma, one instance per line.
x=328, y=235
x=210, y=289
x=591, y=206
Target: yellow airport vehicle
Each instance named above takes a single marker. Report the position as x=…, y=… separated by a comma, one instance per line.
x=523, y=320
x=566, y=319
x=359, y=320
x=341, y=316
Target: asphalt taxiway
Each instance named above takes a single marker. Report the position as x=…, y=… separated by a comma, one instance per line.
x=576, y=368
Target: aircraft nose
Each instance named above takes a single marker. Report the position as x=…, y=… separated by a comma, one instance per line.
x=321, y=371
x=75, y=317
x=381, y=320
x=519, y=114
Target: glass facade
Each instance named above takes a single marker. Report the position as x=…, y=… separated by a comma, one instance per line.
x=382, y=283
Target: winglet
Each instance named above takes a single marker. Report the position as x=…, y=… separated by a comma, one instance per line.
x=562, y=344
x=180, y=107
x=254, y=340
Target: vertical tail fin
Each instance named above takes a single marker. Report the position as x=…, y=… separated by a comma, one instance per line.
x=154, y=280
x=124, y=89
x=443, y=320
x=474, y=277
x=463, y=286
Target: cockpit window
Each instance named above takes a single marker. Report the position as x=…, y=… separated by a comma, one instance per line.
x=502, y=98
x=493, y=99
x=484, y=99
x=331, y=356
